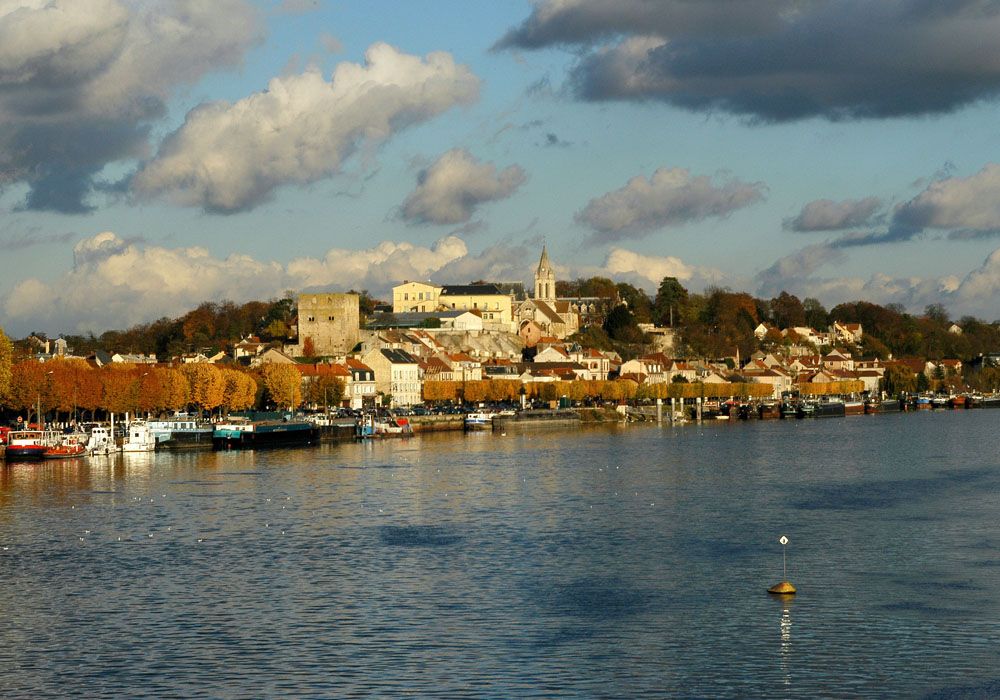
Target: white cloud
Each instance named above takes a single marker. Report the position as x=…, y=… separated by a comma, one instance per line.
x=449, y=191
x=377, y=268
x=650, y=267
x=115, y=284
x=231, y=157
x=671, y=197
x=956, y=203
x=83, y=81
x=797, y=273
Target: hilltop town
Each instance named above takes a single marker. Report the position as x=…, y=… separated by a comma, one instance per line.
x=592, y=339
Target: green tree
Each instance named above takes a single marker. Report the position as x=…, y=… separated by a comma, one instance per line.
x=816, y=315
x=621, y=325
x=671, y=299
x=923, y=384
x=787, y=311
x=637, y=300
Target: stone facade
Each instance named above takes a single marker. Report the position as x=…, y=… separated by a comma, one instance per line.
x=330, y=321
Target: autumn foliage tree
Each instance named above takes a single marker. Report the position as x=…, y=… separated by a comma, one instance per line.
x=206, y=386
x=6, y=361
x=324, y=389
x=30, y=385
x=240, y=390
x=283, y=384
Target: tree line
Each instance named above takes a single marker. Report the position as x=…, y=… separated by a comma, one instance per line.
x=719, y=322
x=70, y=387
x=715, y=323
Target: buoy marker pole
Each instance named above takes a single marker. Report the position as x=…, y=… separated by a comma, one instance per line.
x=785, y=587
x=784, y=565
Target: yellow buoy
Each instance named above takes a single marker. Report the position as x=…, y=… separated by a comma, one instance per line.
x=785, y=587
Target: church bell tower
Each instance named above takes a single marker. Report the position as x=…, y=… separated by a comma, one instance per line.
x=545, y=279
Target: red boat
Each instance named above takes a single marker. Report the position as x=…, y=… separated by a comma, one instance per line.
x=72, y=445
x=30, y=444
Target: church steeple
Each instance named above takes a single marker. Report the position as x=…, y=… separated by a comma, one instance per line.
x=545, y=279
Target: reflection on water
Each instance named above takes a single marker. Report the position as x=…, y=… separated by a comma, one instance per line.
x=785, y=627
x=621, y=562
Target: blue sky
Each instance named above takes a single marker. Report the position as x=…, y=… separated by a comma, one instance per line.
x=157, y=154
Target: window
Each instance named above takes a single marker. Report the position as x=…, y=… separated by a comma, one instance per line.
x=310, y=318
x=421, y=296
x=329, y=318
x=406, y=296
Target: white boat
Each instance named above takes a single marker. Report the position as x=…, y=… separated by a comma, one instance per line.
x=372, y=426
x=181, y=431
x=480, y=420
x=139, y=438
x=100, y=441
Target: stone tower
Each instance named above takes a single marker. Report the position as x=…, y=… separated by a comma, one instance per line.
x=330, y=321
x=545, y=279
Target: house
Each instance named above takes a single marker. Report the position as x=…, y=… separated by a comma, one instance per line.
x=494, y=306
x=360, y=390
x=436, y=370
x=847, y=332
x=646, y=370
x=247, y=349
x=597, y=363
x=415, y=297
x=838, y=360
x=778, y=379
x=955, y=329
x=272, y=356
x=397, y=375
x=140, y=359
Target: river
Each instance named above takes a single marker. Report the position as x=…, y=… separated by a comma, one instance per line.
x=596, y=562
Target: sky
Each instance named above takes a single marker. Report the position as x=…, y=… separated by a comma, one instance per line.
x=156, y=154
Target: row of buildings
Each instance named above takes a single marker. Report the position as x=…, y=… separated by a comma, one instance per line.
x=329, y=324
x=461, y=333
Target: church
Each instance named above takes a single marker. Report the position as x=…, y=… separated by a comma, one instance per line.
x=544, y=315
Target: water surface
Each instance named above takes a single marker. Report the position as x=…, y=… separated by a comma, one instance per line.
x=605, y=562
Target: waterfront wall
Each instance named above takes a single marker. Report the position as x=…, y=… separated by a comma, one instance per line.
x=427, y=424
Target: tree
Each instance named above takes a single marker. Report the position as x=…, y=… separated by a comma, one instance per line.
x=283, y=384
x=325, y=389
x=923, y=384
x=119, y=391
x=816, y=315
x=671, y=298
x=207, y=388
x=176, y=389
x=787, y=311
x=621, y=325
x=898, y=379
x=308, y=347
x=938, y=314
x=240, y=390
x=6, y=359
x=637, y=300
x=29, y=385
